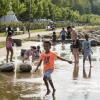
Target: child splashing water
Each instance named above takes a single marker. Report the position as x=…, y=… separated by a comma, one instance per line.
x=9, y=48
x=48, y=59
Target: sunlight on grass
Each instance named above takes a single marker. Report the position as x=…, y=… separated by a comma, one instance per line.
x=2, y=34
x=2, y=44
x=38, y=30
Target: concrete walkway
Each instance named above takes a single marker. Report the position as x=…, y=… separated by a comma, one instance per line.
x=24, y=36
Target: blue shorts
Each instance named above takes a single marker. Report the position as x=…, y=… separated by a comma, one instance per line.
x=48, y=73
x=63, y=37
x=86, y=54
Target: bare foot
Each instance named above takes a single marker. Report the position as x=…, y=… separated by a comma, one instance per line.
x=84, y=75
x=89, y=76
x=75, y=78
x=91, y=66
x=11, y=61
x=48, y=92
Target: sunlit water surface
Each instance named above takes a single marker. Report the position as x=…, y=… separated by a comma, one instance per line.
x=30, y=86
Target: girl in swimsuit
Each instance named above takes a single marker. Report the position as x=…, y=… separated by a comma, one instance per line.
x=9, y=48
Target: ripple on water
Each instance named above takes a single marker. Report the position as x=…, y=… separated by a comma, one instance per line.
x=28, y=86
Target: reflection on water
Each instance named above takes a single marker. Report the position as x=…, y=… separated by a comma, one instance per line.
x=29, y=86
x=20, y=89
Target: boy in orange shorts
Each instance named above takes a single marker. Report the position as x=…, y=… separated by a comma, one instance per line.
x=48, y=59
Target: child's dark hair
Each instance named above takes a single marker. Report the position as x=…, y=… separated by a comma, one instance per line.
x=69, y=27
x=33, y=47
x=63, y=28
x=48, y=42
x=9, y=33
x=54, y=33
x=86, y=36
x=38, y=47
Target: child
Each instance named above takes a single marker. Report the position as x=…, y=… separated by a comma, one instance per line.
x=54, y=38
x=48, y=59
x=30, y=52
x=63, y=35
x=9, y=48
x=38, y=52
x=86, y=48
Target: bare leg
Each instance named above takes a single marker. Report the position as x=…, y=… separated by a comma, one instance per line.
x=90, y=66
x=29, y=34
x=51, y=83
x=75, y=71
x=77, y=60
x=7, y=55
x=11, y=54
x=89, y=59
x=84, y=73
x=53, y=97
x=46, y=84
x=89, y=76
x=25, y=58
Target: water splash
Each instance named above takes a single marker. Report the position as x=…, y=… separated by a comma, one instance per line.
x=16, y=61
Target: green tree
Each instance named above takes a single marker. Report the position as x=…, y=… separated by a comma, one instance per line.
x=4, y=7
x=18, y=7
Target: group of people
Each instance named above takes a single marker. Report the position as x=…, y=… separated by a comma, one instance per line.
x=48, y=57
x=34, y=52
x=76, y=48
x=63, y=34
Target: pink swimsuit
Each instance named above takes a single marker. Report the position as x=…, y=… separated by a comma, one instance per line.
x=9, y=43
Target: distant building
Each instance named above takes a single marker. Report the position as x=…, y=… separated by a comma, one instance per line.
x=10, y=17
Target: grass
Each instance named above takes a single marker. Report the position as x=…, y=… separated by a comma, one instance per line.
x=2, y=44
x=38, y=30
x=96, y=27
x=42, y=30
x=2, y=34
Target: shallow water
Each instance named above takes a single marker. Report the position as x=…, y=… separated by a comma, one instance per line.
x=29, y=86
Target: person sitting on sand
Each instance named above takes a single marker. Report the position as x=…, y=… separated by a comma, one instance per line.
x=86, y=49
x=48, y=57
x=30, y=52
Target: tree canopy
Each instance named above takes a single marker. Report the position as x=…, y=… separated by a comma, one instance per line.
x=74, y=10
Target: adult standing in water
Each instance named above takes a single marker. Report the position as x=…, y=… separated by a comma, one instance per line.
x=75, y=50
x=68, y=34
